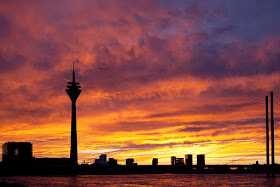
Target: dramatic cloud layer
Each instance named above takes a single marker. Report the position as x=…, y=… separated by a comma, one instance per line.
x=153, y=75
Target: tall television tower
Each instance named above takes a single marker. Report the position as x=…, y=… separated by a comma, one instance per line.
x=73, y=90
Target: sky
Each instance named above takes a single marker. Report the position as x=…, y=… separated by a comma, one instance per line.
x=159, y=78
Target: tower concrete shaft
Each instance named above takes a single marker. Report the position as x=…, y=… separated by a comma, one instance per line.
x=267, y=136
x=272, y=135
x=73, y=90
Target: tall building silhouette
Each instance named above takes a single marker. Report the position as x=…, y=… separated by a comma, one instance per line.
x=201, y=160
x=73, y=90
x=188, y=159
x=173, y=161
x=155, y=162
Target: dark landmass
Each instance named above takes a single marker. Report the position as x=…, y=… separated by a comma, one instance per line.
x=43, y=170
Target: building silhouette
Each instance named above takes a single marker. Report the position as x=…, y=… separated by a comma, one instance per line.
x=19, y=153
x=16, y=152
x=201, y=160
x=155, y=162
x=73, y=90
x=129, y=161
x=173, y=161
x=102, y=160
x=189, y=161
x=179, y=161
x=112, y=161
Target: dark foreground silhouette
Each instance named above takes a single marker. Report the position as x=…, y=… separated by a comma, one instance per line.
x=33, y=169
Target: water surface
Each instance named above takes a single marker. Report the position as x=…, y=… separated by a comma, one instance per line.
x=148, y=180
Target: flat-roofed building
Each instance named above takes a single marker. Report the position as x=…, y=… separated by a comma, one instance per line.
x=189, y=161
x=173, y=160
x=179, y=161
x=112, y=161
x=201, y=160
x=17, y=152
x=155, y=162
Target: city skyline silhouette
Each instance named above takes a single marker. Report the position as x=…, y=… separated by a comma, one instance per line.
x=74, y=89
x=18, y=159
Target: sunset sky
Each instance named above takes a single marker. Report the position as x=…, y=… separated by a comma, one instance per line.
x=153, y=73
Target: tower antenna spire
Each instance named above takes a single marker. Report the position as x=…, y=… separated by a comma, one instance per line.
x=73, y=71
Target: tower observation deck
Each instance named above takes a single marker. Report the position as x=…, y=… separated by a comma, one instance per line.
x=73, y=90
